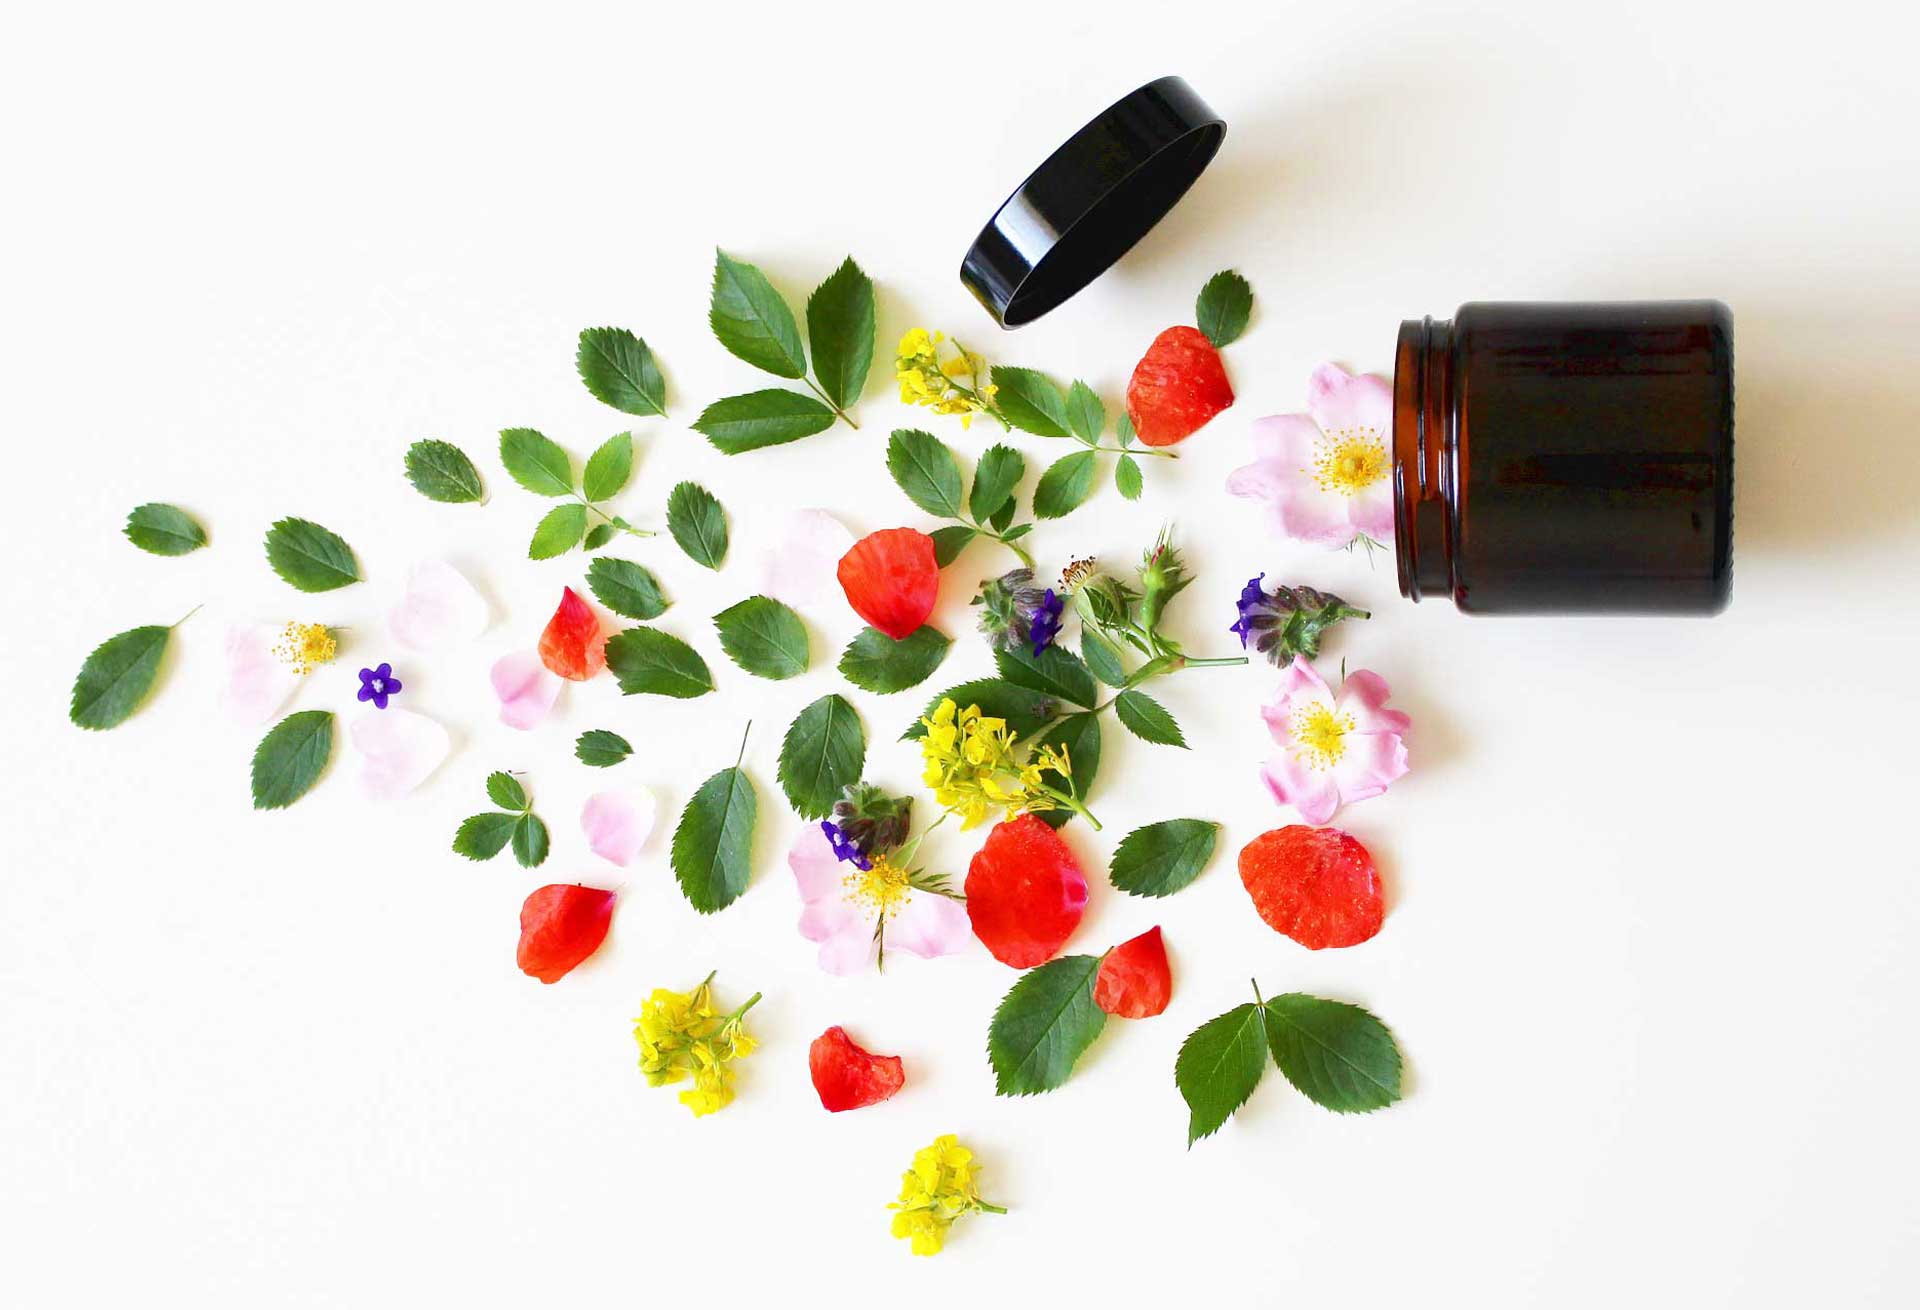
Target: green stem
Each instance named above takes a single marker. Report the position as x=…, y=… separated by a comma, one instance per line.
x=1073, y=803
x=1138, y=450
x=184, y=617
x=828, y=402
x=605, y=517
x=988, y=1207
x=1217, y=662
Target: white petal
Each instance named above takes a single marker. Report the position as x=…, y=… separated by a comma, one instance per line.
x=800, y=567
x=439, y=608
x=258, y=681
x=398, y=749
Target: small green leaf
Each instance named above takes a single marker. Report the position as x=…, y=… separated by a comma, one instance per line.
x=698, y=523
x=504, y=790
x=1031, y=401
x=926, y=470
x=440, y=470
x=484, y=835
x=994, y=478
x=536, y=463
x=1046, y=1022
x=764, y=637
x=1079, y=736
x=608, y=468
x=1162, y=858
x=1003, y=516
x=822, y=755
x=164, y=530
x=752, y=320
x=600, y=749
x=1055, y=671
x=1218, y=1067
x=1086, y=415
x=1126, y=477
x=1147, y=719
x=308, y=557
x=1101, y=659
x=1065, y=486
x=949, y=541
x=647, y=661
x=840, y=326
x=117, y=676
x=1225, y=305
x=760, y=419
x=559, y=531
x=290, y=758
x=1025, y=711
x=1339, y=1056
x=713, y=843
x=626, y=588
x=1123, y=429
x=530, y=841
x=620, y=371
x=597, y=536
x=876, y=662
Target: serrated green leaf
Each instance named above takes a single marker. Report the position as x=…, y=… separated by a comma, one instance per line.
x=1065, y=486
x=994, y=478
x=1147, y=719
x=1031, y=401
x=1162, y=858
x=949, y=541
x=713, y=842
x=291, y=758
x=484, y=835
x=536, y=463
x=530, y=841
x=309, y=558
x=1339, y=1056
x=764, y=637
x=1055, y=671
x=1224, y=306
x=926, y=470
x=1004, y=517
x=752, y=320
x=1025, y=711
x=840, y=327
x=164, y=530
x=620, y=371
x=647, y=661
x=504, y=790
x=1086, y=415
x=1123, y=429
x=822, y=755
x=1079, y=736
x=1218, y=1067
x=597, y=536
x=1101, y=659
x=875, y=662
x=599, y=749
x=559, y=531
x=608, y=468
x=626, y=588
x=440, y=470
x=117, y=676
x=1045, y=1023
x=760, y=419
x=698, y=524
x=1127, y=479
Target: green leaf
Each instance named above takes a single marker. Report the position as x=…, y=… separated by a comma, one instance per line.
x=647, y=661
x=620, y=371
x=1123, y=429
x=949, y=541
x=440, y=470
x=1339, y=1056
x=559, y=531
x=823, y=754
x=1101, y=659
x=994, y=478
x=117, y=676
x=1031, y=401
x=608, y=468
x=1046, y=1022
x=760, y=419
x=1147, y=719
x=290, y=758
x=1003, y=516
x=308, y=557
x=530, y=841
x=752, y=320
x=1162, y=858
x=1025, y=711
x=1065, y=486
x=536, y=463
x=600, y=749
x=1218, y=1067
x=698, y=523
x=164, y=530
x=876, y=662
x=1086, y=415
x=597, y=536
x=504, y=790
x=1055, y=671
x=626, y=588
x=1126, y=477
x=484, y=835
x=713, y=842
x=840, y=326
x=1079, y=736
x=926, y=470
x=1225, y=305
x=764, y=637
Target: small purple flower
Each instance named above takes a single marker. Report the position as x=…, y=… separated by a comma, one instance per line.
x=378, y=684
x=1044, y=626
x=1250, y=596
x=844, y=850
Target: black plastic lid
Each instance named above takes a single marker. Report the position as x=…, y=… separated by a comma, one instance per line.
x=1091, y=201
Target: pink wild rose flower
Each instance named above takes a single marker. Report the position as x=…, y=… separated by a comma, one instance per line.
x=1326, y=476
x=842, y=905
x=1335, y=747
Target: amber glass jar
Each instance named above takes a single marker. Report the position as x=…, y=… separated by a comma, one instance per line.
x=1566, y=457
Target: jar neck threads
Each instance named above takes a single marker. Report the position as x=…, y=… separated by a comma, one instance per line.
x=1426, y=509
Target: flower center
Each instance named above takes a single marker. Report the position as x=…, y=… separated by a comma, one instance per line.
x=1321, y=734
x=1349, y=461
x=881, y=890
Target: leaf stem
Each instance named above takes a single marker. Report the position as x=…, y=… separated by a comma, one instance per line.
x=613, y=520
x=184, y=617
x=828, y=402
x=743, y=751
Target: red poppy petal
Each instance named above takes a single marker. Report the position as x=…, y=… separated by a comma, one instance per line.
x=573, y=645
x=1135, y=981
x=1025, y=892
x=1178, y=385
x=561, y=924
x=1316, y=885
x=892, y=580
x=848, y=1077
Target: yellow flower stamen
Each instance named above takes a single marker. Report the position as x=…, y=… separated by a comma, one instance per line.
x=880, y=890
x=1320, y=735
x=306, y=646
x=1349, y=460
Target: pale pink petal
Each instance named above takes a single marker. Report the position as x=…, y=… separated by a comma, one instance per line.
x=398, y=750
x=258, y=681
x=800, y=568
x=439, y=608
x=1287, y=440
x=1369, y=765
x=1306, y=513
x=1300, y=680
x=850, y=949
x=1263, y=480
x=617, y=824
x=929, y=925
x=816, y=869
x=1364, y=696
x=1342, y=403
x=1315, y=795
x=525, y=688
x=1371, y=511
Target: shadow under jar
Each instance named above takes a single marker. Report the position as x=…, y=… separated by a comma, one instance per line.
x=1566, y=457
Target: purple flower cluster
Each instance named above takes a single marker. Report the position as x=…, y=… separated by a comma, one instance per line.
x=844, y=850
x=1044, y=624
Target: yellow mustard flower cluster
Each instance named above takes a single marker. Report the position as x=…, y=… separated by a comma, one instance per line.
x=306, y=646
x=681, y=1036
x=953, y=387
x=972, y=767
x=937, y=1190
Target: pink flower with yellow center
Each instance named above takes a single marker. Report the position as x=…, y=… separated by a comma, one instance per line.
x=850, y=911
x=1335, y=747
x=1326, y=476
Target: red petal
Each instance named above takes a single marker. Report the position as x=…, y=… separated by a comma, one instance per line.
x=562, y=924
x=848, y=1077
x=1135, y=981
x=573, y=645
x=1177, y=386
x=892, y=579
x=1025, y=892
x=1316, y=885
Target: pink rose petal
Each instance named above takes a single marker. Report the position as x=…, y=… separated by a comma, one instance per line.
x=618, y=824
x=398, y=750
x=525, y=688
x=1339, y=765
x=439, y=608
x=800, y=567
x=258, y=681
x=930, y=925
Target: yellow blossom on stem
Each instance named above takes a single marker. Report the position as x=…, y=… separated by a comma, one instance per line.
x=952, y=386
x=939, y=1188
x=972, y=761
x=306, y=646
x=683, y=1038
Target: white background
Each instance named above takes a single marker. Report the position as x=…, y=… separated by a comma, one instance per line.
x=1651, y=946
